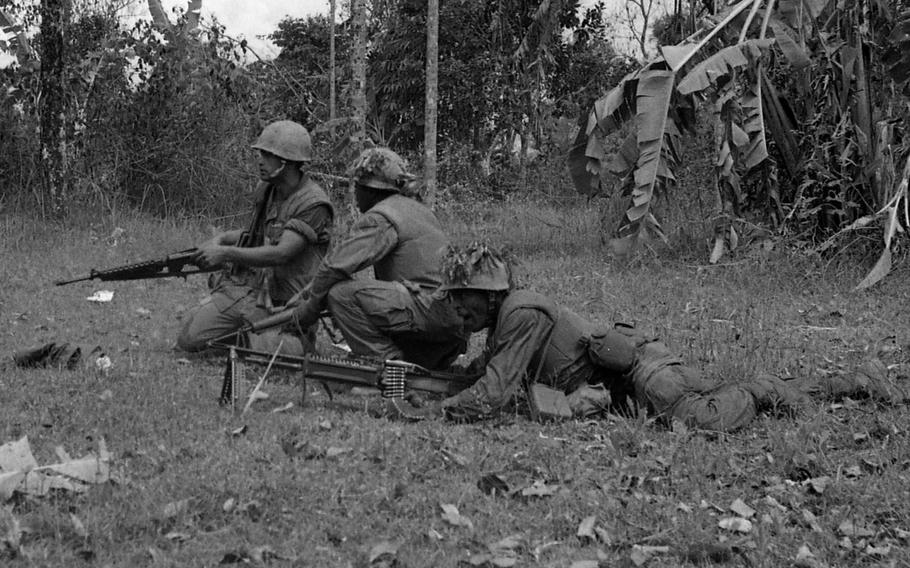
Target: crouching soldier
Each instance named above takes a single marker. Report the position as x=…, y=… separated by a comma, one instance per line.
x=532, y=340
x=394, y=314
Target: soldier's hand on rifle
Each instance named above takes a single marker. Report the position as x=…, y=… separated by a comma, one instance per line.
x=306, y=314
x=211, y=255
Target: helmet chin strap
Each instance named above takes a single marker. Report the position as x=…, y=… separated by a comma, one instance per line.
x=278, y=171
x=494, y=303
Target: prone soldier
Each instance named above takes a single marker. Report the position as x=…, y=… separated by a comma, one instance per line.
x=532, y=340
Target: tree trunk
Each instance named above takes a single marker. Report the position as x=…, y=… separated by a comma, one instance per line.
x=359, y=70
x=331, y=59
x=52, y=109
x=193, y=13
x=429, y=132
x=159, y=16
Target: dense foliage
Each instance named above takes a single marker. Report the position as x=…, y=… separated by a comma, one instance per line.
x=159, y=114
x=808, y=104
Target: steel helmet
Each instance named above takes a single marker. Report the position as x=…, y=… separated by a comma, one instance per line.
x=287, y=140
x=381, y=168
x=478, y=267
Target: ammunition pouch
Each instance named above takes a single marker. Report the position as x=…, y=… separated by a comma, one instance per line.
x=612, y=350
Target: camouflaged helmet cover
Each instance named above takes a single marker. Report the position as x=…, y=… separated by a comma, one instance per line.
x=287, y=140
x=381, y=168
x=477, y=267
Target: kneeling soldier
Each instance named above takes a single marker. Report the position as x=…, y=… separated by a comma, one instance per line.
x=393, y=315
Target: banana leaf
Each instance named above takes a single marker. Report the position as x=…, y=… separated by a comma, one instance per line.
x=757, y=151
x=721, y=64
x=655, y=149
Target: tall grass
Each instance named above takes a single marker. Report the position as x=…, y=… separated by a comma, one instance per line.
x=385, y=480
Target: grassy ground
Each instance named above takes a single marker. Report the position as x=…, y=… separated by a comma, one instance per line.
x=369, y=491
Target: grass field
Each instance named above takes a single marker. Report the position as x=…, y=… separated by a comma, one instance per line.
x=829, y=487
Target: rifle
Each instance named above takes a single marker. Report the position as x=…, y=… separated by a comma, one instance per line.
x=172, y=265
x=392, y=378
x=281, y=318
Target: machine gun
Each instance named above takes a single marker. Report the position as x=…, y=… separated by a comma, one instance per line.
x=392, y=378
x=172, y=265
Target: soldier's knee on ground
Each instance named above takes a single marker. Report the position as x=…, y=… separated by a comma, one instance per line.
x=188, y=342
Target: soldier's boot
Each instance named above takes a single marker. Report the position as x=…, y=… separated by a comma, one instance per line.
x=772, y=393
x=872, y=378
x=61, y=355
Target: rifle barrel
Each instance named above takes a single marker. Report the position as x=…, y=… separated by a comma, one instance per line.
x=80, y=279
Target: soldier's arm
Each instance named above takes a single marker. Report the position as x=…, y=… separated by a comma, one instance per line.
x=515, y=343
x=303, y=227
x=371, y=238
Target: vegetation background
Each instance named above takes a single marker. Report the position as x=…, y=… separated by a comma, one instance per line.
x=119, y=144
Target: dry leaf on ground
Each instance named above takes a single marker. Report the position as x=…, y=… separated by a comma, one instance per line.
x=19, y=471
x=78, y=527
x=10, y=530
x=848, y=528
x=510, y=542
x=805, y=559
x=451, y=515
x=9, y=482
x=334, y=452
x=382, y=550
x=175, y=508
x=811, y=520
x=228, y=505
x=17, y=456
x=879, y=551
x=539, y=489
x=454, y=457
x=641, y=554
x=740, y=508
x=586, y=528
x=818, y=484
x=735, y=524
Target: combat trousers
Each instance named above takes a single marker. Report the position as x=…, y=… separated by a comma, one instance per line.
x=669, y=388
x=389, y=320
x=229, y=308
